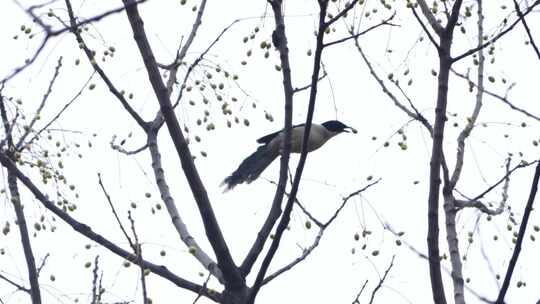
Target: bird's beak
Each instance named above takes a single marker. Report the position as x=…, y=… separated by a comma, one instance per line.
x=350, y=130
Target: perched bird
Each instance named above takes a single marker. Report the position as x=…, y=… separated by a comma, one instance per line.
x=269, y=150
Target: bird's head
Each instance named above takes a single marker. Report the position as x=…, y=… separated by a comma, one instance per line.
x=337, y=127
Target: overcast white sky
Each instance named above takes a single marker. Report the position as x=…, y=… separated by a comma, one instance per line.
x=332, y=274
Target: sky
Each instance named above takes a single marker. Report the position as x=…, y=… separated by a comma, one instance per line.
x=339, y=266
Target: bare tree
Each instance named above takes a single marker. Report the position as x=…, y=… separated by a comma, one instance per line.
x=443, y=18
x=223, y=268
x=27, y=161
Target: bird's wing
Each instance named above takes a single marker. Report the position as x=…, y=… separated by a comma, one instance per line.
x=268, y=138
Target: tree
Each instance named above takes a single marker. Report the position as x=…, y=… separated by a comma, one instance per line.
x=224, y=269
x=440, y=29
x=172, y=89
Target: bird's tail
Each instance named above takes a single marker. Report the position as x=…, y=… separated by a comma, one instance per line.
x=250, y=168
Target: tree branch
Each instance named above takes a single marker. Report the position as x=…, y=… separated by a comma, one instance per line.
x=502, y=179
x=342, y=13
x=66, y=106
x=282, y=225
x=170, y=204
x=108, y=197
x=322, y=228
x=498, y=36
x=381, y=280
x=355, y=36
x=521, y=234
x=416, y=115
x=428, y=33
x=504, y=99
x=35, y=293
x=233, y=278
x=53, y=33
x=85, y=230
x=74, y=29
x=527, y=29
x=137, y=249
x=19, y=287
x=279, y=39
x=300, y=89
x=41, y=105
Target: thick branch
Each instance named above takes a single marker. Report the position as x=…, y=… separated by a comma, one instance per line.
x=34, y=291
x=279, y=38
x=449, y=199
x=233, y=278
x=426, y=11
x=521, y=234
x=41, y=105
x=176, y=219
x=283, y=223
x=437, y=157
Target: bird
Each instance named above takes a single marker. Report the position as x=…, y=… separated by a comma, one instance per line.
x=269, y=149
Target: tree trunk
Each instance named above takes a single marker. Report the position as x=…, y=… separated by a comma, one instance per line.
x=235, y=296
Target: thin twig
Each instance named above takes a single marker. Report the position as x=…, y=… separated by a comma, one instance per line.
x=381, y=280
x=53, y=33
x=233, y=278
x=41, y=105
x=357, y=299
x=114, y=210
x=19, y=287
x=91, y=58
x=66, y=106
x=137, y=249
x=300, y=89
x=43, y=262
x=425, y=257
x=322, y=227
x=203, y=287
x=357, y=35
x=342, y=13
x=416, y=115
x=498, y=36
x=502, y=179
x=195, y=63
x=527, y=29
x=120, y=149
x=504, y=99
x=96, y=290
